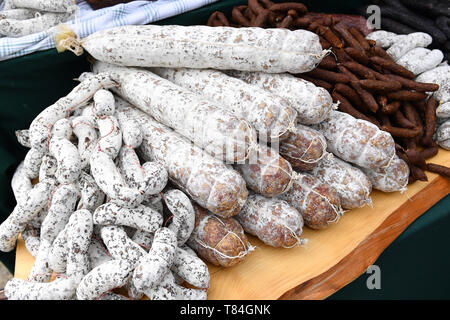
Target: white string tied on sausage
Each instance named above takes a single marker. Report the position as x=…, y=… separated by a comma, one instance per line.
x=404, y=188
x=291, y=128
x=332, y=53
x=367, y=201
x=334, y=106
x=321, y=56
x=393, y=157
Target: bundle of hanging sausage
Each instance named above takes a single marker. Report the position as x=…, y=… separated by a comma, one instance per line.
x=23, y=17
x=400, y=90
x=149, y=168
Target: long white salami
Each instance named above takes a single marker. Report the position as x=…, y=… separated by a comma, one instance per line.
x=312, y=103
x=209, y=126
x=269, y=114
x=250, y=49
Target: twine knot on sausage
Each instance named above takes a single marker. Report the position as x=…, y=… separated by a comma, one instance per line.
x=66, y=39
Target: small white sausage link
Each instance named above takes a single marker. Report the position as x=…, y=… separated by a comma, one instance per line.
x=157, y=262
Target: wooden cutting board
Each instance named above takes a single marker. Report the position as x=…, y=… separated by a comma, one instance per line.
x=332, y=258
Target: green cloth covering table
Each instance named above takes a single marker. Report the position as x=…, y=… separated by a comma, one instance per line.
x=414, y=266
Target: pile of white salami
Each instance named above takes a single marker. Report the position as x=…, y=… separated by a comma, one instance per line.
x=23, y=17
x=428, y=65
x=181, y=141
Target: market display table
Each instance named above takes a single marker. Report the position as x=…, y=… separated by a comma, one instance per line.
x=332, y=258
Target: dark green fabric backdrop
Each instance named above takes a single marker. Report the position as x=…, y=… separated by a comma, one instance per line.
x=30, y=83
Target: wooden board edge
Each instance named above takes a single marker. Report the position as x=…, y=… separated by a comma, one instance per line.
x=367, y=252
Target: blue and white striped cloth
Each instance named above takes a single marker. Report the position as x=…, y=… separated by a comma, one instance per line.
x=89, y=21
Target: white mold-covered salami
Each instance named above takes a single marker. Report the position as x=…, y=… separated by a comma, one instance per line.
x=443, y=135
x=169, y=290
x=79, y=233
x=21, y=183
x=68, y=159
x=103, y=278
x=103, y=103
x=45, y=5
x=303, y=147
x=120, y=246
x=268, y=113
x=274, y=221
x=250, y=49
x=23, y=214
x=18, y=28
x=203, y=178
x=111, y=182
x=91, y=195
x=156, y=264
x=84, y=130
x=62, y=205
x=383, y=38
x=191, y=268
x=110, y=135
x=182, y=217
x=357, y=141
x=266, y=172
x=419, y=60
x=149, y=178
x=59, y=289
x=408, y=42
x=186, y=265
x=140, y=217
x=311, y=102
x=392, y=178
x=32, y=162
x=208, y=125
x=318, y=203
x=82, y=93
x=351, y=184
x=220, y=241
x=23, y=137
